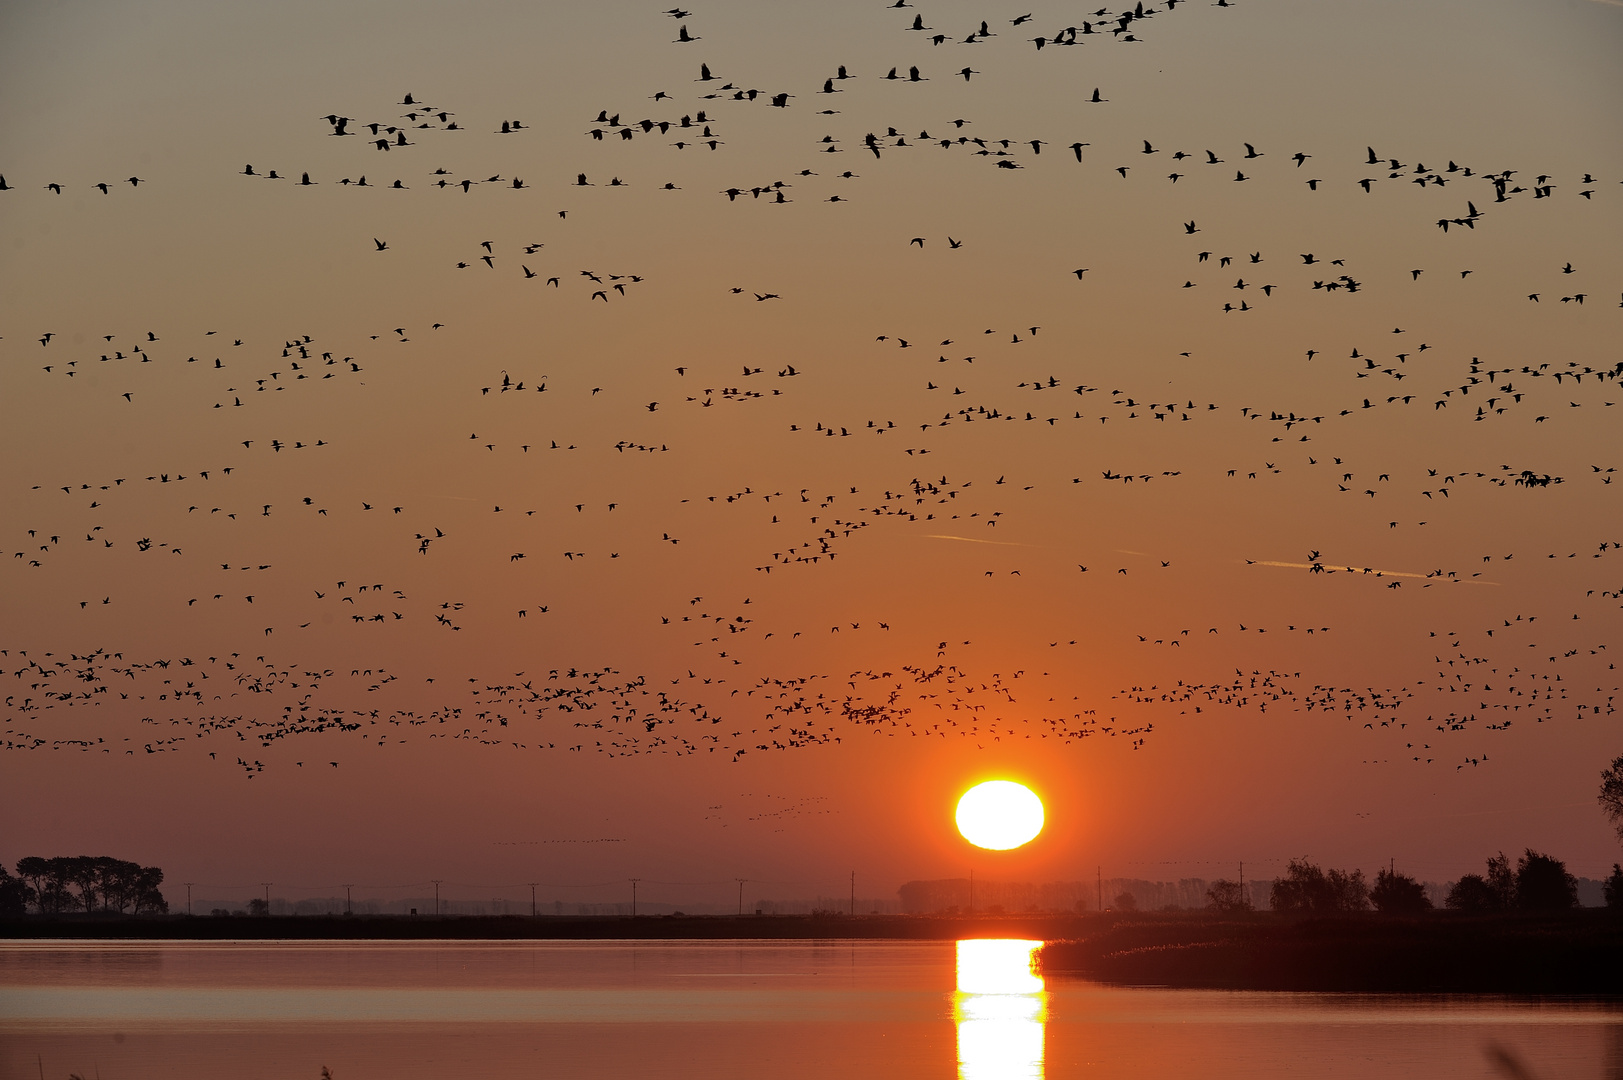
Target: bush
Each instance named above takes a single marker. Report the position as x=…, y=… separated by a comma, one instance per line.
x=1543, y=884
x=1398, y=894
x=1472, y=894
x=1126, y=902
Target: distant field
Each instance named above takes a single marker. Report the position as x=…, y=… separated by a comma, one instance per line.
x=506, y=927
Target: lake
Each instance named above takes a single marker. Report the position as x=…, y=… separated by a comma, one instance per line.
x=750, y=1010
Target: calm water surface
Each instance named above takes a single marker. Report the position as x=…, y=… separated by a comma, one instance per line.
x=721, y=1010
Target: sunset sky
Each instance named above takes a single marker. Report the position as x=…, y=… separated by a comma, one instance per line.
x=334, y=552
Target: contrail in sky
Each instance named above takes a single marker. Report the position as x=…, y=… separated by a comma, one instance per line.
x=1364, y=570
x=972, y=540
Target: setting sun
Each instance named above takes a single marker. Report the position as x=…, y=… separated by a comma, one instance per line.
x=999, y=814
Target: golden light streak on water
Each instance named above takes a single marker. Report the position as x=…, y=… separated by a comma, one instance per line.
x=1000, y=1009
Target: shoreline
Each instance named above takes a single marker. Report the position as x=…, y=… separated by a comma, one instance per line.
x=1565, y=953
x=1568, y=953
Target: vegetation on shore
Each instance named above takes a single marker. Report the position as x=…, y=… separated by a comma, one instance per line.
x=1577, y=952
x=1513, y=929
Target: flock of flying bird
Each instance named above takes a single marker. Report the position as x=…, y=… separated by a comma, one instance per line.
x=236, y=709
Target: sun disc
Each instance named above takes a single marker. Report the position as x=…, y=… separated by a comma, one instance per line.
x=999, y=815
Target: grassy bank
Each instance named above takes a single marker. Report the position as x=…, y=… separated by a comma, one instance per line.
x=1579, y=952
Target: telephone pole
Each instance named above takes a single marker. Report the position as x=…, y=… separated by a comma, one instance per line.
x=853, y=893
x=437, y=896
x=1245, y=901
x=188, y=896
x=634, y=896
x=349, y=908
x=741, y=895
x=532, y=899
x=972, y=892
x=267, y=896
x=1099, y=883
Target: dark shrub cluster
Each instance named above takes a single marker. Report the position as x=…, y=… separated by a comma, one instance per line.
x=1398, y=894
x=1538, y=883
x=1307, y=888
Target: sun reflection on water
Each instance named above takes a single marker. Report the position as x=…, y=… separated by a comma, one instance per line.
x=999, y=1009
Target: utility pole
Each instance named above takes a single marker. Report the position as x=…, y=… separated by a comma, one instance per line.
x=436, y=896
x=267, y=896
x=188, y=896
x=853, y=893
x=972, y=892
x=741, y=895
x=532, y=899
x=349, y=908
x=634, y=896
x=1099, y=883
x=1245, y=901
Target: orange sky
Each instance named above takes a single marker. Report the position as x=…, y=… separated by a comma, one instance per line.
x=1193, y=459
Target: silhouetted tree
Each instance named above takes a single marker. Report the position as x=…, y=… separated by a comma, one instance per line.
x=49, y=891
x=1226, y=895
x=14, y=895
x=127, y=886
x=1398, y=894
x=31, y=871
x=1543, y=884
x=1126, y=902
x=259, y=906
x=1305, y=887
x=1296, y=891
x=1613, y=888
x=81, y=872
x=1611, y=794
x=148, y=896
x=1502, y=881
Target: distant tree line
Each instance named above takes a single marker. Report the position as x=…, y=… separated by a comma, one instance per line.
x=1536, y=883
x=72, y=883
